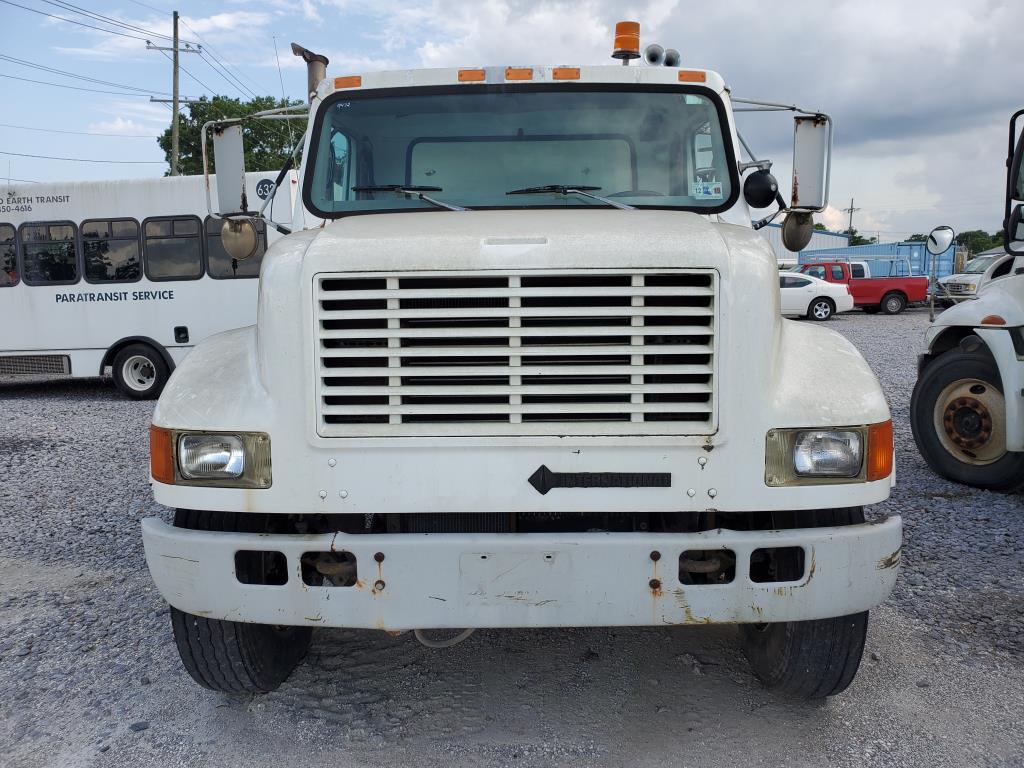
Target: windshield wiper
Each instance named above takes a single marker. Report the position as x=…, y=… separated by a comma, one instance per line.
x=411, y=190
x=565, y=189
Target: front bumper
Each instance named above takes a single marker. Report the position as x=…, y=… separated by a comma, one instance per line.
x=525, y=580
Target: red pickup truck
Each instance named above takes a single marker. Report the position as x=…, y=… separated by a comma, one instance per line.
x=871, y=293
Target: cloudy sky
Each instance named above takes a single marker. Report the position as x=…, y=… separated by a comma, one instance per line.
x=921, y=90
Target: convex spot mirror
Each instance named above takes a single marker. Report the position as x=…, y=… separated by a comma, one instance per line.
x=939, y=240
x=797, y=230
x=760, y=189
x=239, y=237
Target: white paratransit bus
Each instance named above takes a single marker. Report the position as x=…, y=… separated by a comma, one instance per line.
x=527, y=369
x=124, y=275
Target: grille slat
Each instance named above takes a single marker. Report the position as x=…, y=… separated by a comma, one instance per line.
x=592, y=353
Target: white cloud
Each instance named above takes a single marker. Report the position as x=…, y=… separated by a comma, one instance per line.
x=121, y=127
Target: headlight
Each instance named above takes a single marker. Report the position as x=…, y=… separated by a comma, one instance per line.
x=216, y=459
x=208, y=457
x=828, y=456
x=826, y=453
x=972, y=287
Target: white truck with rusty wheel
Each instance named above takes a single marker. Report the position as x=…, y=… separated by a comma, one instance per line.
x=525, y=368
x=967, y=410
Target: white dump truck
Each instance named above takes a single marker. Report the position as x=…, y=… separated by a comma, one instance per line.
x=524, y=367
x=967, y=410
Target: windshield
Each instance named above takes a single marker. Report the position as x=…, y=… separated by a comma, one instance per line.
x=661, y=148
x=977, y=266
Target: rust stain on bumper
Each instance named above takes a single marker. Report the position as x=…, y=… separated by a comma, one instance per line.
x=891, y=561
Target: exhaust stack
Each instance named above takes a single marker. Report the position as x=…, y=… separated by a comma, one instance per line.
x=316, y=68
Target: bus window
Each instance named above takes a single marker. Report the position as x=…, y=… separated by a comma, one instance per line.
x=8, y=256
x=219, y=265
x=173, y=248
x=111, y=249
x=48, y=253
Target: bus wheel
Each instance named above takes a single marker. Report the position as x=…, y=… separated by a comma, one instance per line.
x=140, y=372
x=958, y=417
x=807, y=659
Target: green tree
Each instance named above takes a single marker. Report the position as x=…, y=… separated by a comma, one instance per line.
x=857, y=239
x=267, y=142
x=819, y=226
x=917, y=237
x=977, y=240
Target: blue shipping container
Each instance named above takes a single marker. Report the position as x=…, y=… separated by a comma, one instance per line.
x=889, y=259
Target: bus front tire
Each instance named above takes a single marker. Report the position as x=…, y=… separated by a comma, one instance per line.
x=807, y=659
x=234, y=656
x=140, y=372
x=955, y=415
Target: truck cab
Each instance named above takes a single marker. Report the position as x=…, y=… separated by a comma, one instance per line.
x=524, y=368
x=976, y=274
x=967, y=409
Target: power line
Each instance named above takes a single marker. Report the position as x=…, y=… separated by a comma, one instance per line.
x=52, y=70
x=84, y=159
x=24, y=181
x=73, y=21
x=215, y=56
x=104, y=19
x=201, y=83
x=79, y=133
x=234, y=82
x=152, y=8
x=72, y=87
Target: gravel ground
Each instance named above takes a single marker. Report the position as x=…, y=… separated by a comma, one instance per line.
x=89, y=674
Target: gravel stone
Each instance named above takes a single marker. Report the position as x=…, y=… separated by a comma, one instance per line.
x=86, y=643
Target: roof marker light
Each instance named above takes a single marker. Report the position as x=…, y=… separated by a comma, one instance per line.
x=472, y=75
x=565, y=73
x=518, y=73
x=692, y=76
x=352, y=81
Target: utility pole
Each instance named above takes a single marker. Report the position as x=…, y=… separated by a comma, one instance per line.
x=175, y=99
x=851, y=210
x=175, y=105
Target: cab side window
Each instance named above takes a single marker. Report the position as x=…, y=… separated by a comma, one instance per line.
x=173, y=248
x=111, y=248
x=818, y=272
x=49, y=253
x=8, y=256
x=220, y=265
x=1003, y=269
x=837, y=272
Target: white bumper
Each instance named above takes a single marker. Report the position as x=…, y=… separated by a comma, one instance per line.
x=525, y=580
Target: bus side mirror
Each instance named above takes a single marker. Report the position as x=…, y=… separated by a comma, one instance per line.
x=229, y=164
x=812, y=162
x=1013, y=222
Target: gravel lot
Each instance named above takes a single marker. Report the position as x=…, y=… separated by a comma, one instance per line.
x=89, y=674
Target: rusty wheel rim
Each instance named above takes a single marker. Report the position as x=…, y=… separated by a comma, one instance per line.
x=970, y=421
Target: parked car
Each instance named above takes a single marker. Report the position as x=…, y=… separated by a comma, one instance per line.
x=976, y=274
x=872, y=293
x=815, y=299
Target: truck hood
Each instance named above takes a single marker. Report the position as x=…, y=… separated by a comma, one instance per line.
x=523, y=239
x=1003, y=297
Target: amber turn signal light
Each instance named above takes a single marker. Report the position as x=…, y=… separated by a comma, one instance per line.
x=161, y=454
x=880, y=449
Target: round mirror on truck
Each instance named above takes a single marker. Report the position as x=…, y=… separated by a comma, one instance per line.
x=239, y=237
x=760, y=189
x=797, y=230
x=939, y=240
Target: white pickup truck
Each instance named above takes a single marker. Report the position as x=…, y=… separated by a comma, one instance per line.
x=520, y=370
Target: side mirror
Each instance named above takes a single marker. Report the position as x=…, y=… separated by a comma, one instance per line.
x=797, y=230
x=1013, y=234
x=939, y=240
x=229, y=159
x=812, y=162
x=239, y=237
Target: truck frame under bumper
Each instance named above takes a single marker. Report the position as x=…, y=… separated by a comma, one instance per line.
x=421, y=581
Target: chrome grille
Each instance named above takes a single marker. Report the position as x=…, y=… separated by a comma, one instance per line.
x=586, y=353
x=957, y=287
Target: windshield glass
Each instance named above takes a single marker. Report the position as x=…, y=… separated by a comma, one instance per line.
x=645, y=148
x=977, y=266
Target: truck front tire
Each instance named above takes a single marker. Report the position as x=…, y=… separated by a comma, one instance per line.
x=808, y=659
x=958, y=417
x=232, y=656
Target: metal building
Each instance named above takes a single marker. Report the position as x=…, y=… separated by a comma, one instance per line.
x=819, y=239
